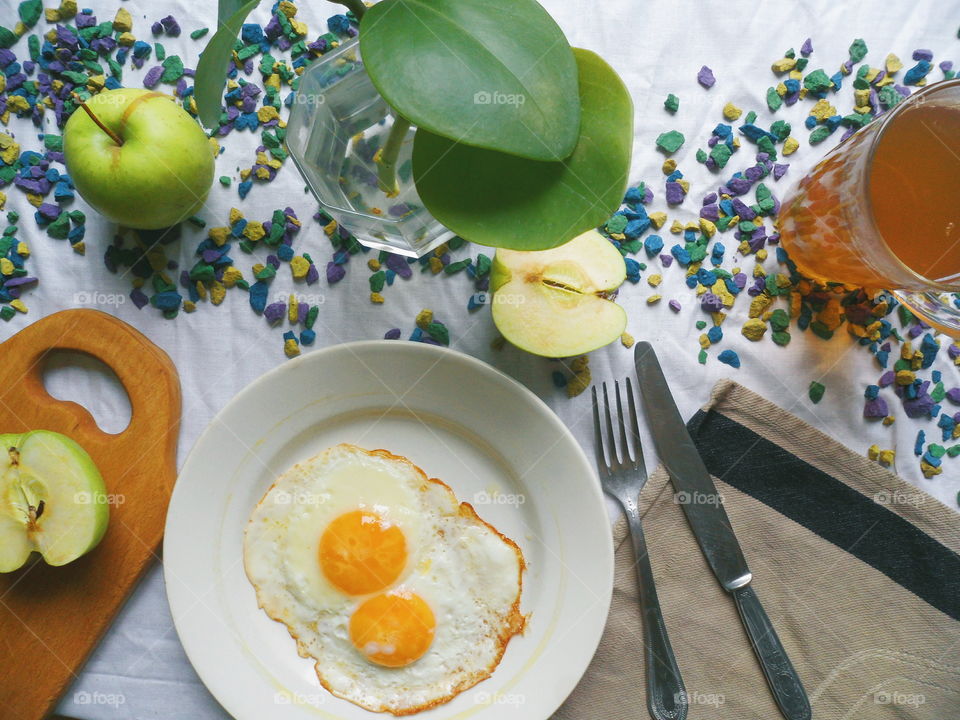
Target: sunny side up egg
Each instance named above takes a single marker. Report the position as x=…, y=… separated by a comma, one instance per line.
x=402, y=596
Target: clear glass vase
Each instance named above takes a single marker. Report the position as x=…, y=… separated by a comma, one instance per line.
x=337, y=124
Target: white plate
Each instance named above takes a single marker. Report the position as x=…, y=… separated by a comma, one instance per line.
x=460, y=420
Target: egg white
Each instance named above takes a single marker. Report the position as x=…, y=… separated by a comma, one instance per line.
x=467, y=573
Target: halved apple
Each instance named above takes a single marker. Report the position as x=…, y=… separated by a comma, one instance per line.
x=556, y=302
x=52, y=499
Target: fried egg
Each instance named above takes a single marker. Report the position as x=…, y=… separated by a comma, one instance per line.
x=402, y=596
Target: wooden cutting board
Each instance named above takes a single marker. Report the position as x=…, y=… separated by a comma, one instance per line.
x=52, y=617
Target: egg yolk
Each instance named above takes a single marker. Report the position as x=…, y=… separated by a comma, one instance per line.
x=393, y=629
x=361, y=554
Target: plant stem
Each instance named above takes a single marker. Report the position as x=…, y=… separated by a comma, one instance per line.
x=113, y=136
x=387, y=160
x=357, y=7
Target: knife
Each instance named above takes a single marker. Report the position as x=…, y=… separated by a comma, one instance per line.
x=701, y=503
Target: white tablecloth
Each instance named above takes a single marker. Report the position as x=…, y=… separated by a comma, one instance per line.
x=657, y=48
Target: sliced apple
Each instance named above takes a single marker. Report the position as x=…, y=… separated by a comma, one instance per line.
x=52, y=499
x=556, y=302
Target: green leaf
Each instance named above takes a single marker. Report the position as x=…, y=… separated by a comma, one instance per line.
x=495, y=74
x=505, y=201
x=211, y=73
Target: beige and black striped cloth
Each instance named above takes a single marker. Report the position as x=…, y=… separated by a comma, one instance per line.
x=858, y=570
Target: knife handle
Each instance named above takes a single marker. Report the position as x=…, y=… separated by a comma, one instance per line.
x=783, y=680
x=666, y=695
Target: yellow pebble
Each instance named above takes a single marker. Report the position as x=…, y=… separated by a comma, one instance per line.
x=122, y=21
x=707, y=227
x=905, y=377
x=293, y=309
x=754, y=329
x=267, y=113
x=929, y=470
x=80, y=248
x=127, y=39
x=627, y=340
x=424, y=318
x=781, y=89
x=291, y=348
x=701, y=290
x=718, y=317
x=201, y=290
x=654, y=280
x=784, y=65
x=52, y=15
x=887, y=457
x=578, y=383
x=654, y=299
x=288, y=8
x=18, y=305
x=762, y=254
x=720, y=290
x=258, y=267
x=704, y=341
x=235, y=215
x=330, y=228
x=669, y=165
x=254, y=231
x=657, y=219
x=435, y=265
x=230, y=276
x=376, y=298
x=6, y=266
x=299, y=266
x=873, y=452
x=685, y=184
x=822, y=110
x=373, y=264
x=890, y=419
x=676, y=227
x=892, y=64
x=217, y=292
x=189, y=306
x=23, y=249
x=731, y=111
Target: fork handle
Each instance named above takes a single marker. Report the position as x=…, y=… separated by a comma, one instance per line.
x=666, y=695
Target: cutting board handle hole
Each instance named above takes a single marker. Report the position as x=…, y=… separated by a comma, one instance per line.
x=80, y=378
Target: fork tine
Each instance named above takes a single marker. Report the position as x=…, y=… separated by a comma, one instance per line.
x=598, y=433
x=614, y=458
x=624, y=445
x=634, y=423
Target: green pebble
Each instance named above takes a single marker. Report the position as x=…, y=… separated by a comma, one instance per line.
x=483, y=264
x=197, y=221
x=821, y=330
x=953, y=450
x=78, y=217
x=77, y=78
x=801, y=64
x=723, y=223
x=672, y=103
x=721, y=154
x=13, y=217
x=60, y=227
x=702, y=357
x=243, y=284
x=937, y=451
x=671, y=141
x=816, y=392
x=701, y=324
x=455, y=267
x=781, y=128
x=781, y=337
x=268, y=272
x=858, y=50
x=159, y=51
x=817, y=82
x=617, y=224
x=377, y=281
x=199, y=33
x=901, y=364
x=172, y=69
x=312, y=314
x=246, y=246
x=30, y=11
x=750, y=118
x=161, y=285
x=906, y=317
x=204, y=272
x=819, y=134
x=438, y=331
x=456, y=242
x=774, y=101
x=765, y=144
x=7, y=312
x=225, y=180
x=53, y=142
x=939, y=392
x=779, y=319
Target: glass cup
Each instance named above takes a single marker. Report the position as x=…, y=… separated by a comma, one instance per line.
x=337, y=125
x=880, y=210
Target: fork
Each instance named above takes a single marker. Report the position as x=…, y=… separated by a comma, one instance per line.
x=623, y=477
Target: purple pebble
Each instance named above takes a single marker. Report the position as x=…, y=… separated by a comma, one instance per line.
x=779, y=170
x=399, y=265
x=274, y=312
x=711, y=303
x=675, y=193
x=807, y=47
x=312, y=274
x=887, y=378
x=945, y=66
x=876, y=408
x=920, y=406
x=335, y=273
x=666, y=260
x=152, y=77
x=953, y=395
x=710, y=198
x=171, y=26
x=919, y=54
x=647, y=196
x=156, y=28
x=710, y=212
x=392, y=334
x=674, y=305
x=705, y=77
x=139, y=298
x=740, y=280
x=302, y=310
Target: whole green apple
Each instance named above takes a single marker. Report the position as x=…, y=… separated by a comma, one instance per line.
x=158, y=174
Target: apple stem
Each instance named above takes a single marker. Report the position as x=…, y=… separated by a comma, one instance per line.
x=387, y=159
x=113, y=136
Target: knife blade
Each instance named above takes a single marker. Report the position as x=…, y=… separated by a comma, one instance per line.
x=703, y=506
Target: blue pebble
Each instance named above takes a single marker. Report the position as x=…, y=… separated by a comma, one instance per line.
x=871, y=392
x=391, y=275
x=917, y=73
x=258, y=296
x=244, y=188
x=251, y=34
x=416, y=335
x=929, y=348
x=810, y=122
x=692, y=281
x=169, y=300
x=653, y=244
x=338, y=24
x=931, y=459
x=836, y=79
x=674, y=176
x=633, y=196
x=307, y=337
x=946, y=423
x=633, y=270
x=635, y=228
x=919, y=443
x=715, y=334
x=285, y=253
x=477, y=300
x=680, y=254
x=729, y=357
x=723, y=130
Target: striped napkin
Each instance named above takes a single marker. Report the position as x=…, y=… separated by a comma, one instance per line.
x=858, y=570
